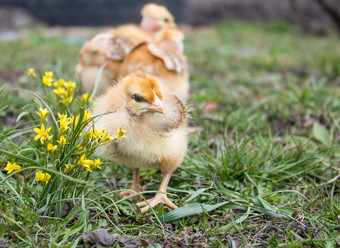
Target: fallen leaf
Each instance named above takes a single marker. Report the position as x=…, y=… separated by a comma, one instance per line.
x=89, y=238
x=210, y=106
x=105, y=238
x=259, y=97
x=186, y=231
x=130, y=242
x=3, y=243
x=321, y=133
x=144, y=243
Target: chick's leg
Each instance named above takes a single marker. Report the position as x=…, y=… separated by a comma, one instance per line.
x=135, y=186
x=159, y=197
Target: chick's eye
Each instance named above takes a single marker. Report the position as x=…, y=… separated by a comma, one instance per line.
x=166, y=20
x=137, y=98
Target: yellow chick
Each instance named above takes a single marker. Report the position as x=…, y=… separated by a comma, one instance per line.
x=162, y=58
x=155, y=121
x=111, y=47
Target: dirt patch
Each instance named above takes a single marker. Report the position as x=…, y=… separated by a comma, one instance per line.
x=8, y=119
x=10, y=76
x=260, y=230
x=265, y=228
x=296, y=124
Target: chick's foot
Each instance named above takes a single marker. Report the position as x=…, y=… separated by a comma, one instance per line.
x=158, y=198
x=136, y=188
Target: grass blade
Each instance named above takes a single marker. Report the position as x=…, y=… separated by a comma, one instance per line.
x=11, y=187
x=96, y=84
x=196, y=193
x=192, y=209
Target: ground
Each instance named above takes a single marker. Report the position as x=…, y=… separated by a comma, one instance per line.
x=262, y=169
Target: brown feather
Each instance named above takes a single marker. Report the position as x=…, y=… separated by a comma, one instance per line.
x=171, y=61
x=162, y=59
x=180, y=118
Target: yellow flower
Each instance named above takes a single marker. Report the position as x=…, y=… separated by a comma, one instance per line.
x=31, y=73
x=75, y=121
x=96, y=164
x=49, y=74
x=87, y=115
x=85, y=97
x=62, y=141
x=42, y=134
x=60, y=91
x=47, y=81
x=43, y=177
x=86, y=163
x=51, y=148
x=40, y=176
x=12, y=167
x=69, y=100
x=59, y=83
x=97, y=133
x=47, y=177
x=107, y=137
x=62, y=116
x=87, y=167
x=87, y=136
x=64, y=122
x=70, y=86
x=79, y=147
x=43, y=113
x=48, y=78
x=69, y=167
x=121, y=133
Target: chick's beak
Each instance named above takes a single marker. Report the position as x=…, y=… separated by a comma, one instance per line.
x=157, y=106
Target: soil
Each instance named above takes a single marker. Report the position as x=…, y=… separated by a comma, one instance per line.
x=10, y=76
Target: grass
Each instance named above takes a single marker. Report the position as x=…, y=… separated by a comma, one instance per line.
x=263, y=170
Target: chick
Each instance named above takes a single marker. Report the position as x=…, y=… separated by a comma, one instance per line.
x=155, y=121
x=111, y=47
x=154, y=18
x=162, y=58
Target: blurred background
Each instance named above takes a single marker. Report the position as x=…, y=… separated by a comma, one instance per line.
x=317, y=16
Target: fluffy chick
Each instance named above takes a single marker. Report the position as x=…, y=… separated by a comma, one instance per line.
x=111, y=47
x=162, y=58
x=155, y=121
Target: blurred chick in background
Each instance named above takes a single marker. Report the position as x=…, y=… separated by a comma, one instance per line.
x=162, y=58
x=155, y=121
x=111, y=47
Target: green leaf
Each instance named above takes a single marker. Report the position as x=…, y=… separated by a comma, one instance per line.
x=320, y=133
x=22, y=114
x=272, y=210
x=102, y=222
x=237, y=221
x=196, y=193
x=192, y=209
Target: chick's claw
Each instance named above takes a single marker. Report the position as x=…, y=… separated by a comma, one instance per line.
x=158, y=198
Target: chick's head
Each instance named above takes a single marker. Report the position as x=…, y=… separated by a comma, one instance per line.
x=156, y=17
x=143, y=94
